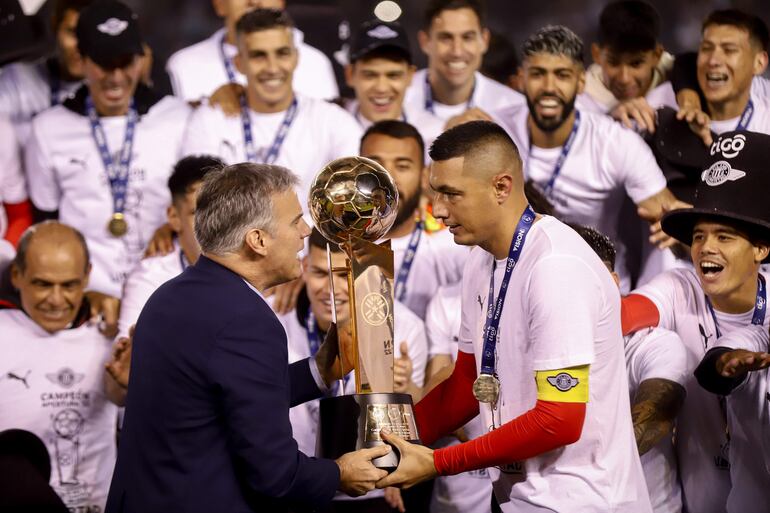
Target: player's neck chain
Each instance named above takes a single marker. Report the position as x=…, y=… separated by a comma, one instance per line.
x=486, y=388
x=117, y=174
x=565, y=149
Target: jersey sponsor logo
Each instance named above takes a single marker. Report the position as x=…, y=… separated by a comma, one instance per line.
x=563, y=382
x=729, y=147
x=17, y=377
x=112, y=27
x=65, y=377
x=721, y=172
x=382, y=32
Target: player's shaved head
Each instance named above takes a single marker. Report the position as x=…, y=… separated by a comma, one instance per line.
x=486, y=149
x=47, y=235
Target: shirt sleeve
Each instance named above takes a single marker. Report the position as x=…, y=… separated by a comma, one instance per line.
x=441, y=329
x=562, y=325
x=665, y=292
x=344, y=133
x=13, y=188
x=203, y=135
x=44, y=189
x=662, y=354
x=632, y=158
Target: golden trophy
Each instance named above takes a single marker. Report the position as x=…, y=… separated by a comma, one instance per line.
x=353, y=202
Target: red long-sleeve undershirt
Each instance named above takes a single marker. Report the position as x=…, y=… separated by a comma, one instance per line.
x=547, y=426
x=19, y=219
x=637, y=312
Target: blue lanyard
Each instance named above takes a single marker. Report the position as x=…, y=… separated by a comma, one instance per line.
x=406, y=265
x=248, y=137
x=748, y=113
x=758, y=318
x=548, y=190
x=493, y=315
x=429, y=96
x=312, y=332
x=183, y=260
x=55, y=84
x=117, y=174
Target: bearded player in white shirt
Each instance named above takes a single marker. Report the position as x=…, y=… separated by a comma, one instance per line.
x=152, y=272
x=724, y=290
x=53, y=380
x=101, y=160
x=737, y=367
x=574, y=449
x=199, y=70
x=583, y=162
x=276, y=125
x=454, y=38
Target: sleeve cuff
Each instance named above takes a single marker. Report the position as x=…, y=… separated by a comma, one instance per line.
x=317, y=375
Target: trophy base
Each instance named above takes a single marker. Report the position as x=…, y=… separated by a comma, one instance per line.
x=351, y=422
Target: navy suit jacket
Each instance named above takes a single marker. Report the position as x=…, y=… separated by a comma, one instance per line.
x=207, y=413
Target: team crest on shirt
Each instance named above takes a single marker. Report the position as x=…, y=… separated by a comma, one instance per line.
x=563, y=382
x=382, y=32
x=721, y=172
x=112, y=27
x=65, y=377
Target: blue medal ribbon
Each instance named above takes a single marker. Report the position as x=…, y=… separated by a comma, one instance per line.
x=565, y=149
x=748, y=113
x=758, y=319
x=183, y=260
x=492, y=322
x=248, y=137
x=116, y=174
x=429, y=104
x=406, y=265
x=312, y=332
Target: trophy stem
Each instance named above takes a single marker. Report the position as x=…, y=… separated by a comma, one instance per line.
x=354, y=326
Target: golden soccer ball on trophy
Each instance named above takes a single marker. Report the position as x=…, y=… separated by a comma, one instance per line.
x=353, y=197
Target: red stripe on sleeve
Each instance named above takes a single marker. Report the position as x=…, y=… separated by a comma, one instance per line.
x=637, y=312
x=548, y=426
x=451, y=404
x=19, y=219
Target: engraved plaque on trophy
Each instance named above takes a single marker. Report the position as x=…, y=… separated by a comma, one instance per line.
x=353, y=201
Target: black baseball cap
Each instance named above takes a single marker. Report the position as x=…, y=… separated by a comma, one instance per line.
x=732, y=189
x=375, y=34
x=108, y=32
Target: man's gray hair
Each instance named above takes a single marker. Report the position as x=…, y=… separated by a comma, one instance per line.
x=236, y=199
x=555, y=40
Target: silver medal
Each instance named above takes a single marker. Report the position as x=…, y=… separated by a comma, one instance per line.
x=486, y=388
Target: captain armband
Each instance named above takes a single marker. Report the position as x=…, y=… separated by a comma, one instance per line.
x=568, y=385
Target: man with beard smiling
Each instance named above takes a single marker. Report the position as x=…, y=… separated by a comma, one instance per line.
x=723, y=292
x=100, y=161
x=582, y=162
x=276, y=125
x=423, y=261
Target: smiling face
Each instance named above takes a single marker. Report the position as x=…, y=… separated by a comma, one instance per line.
x=268, y=58
x=455, y=43
x=317, y=285
x=67, y=45
x=53, y=281
x=727, y=62
x=379, y=85
x=551, y=84
x=726, y=262
x=627, y=75
x=112, y=89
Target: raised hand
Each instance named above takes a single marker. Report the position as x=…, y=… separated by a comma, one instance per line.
x=738, y=362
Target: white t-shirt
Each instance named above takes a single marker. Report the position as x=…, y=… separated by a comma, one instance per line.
x=606, y=160
x=13, y=188
x=320, y=133
x=144, y=279
x=658, y=353
x=562, y=310
x=664, y=96
x=488, y=95
x=467, y=492
x=25, y=91
x=66, y=173
x=197, y=71
x=438, y=261
x=700, y=441
x=748, y=415
x=52, y=386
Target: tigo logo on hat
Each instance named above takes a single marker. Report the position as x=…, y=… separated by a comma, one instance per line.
x=112, y=27
x=382, y=32
x=721, y=172
x=729, y=147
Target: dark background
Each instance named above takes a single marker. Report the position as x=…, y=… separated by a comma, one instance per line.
x=169, y=25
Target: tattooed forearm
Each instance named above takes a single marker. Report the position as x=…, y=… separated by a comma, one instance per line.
x=655, y=406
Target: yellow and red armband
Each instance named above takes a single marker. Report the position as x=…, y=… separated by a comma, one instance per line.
x=568, y=385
